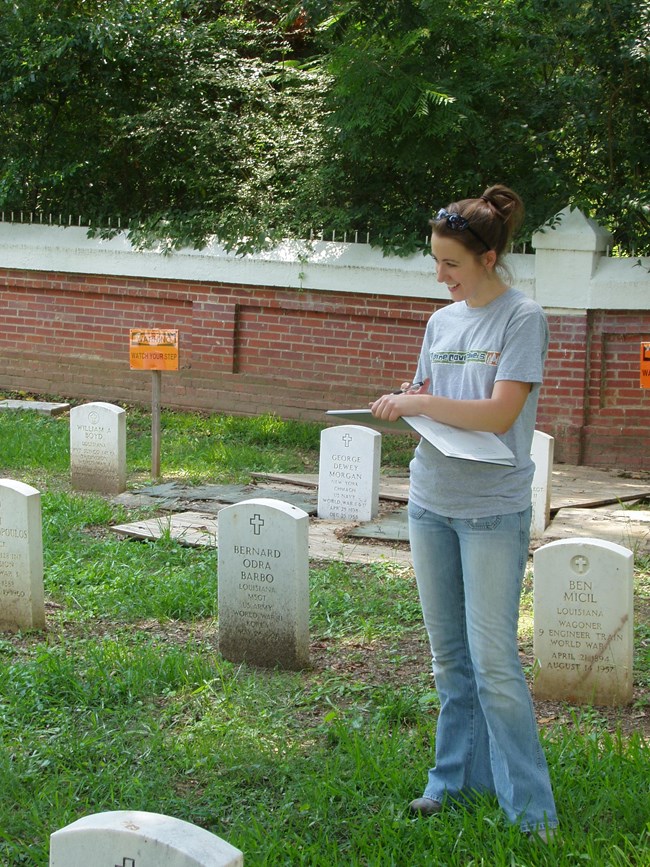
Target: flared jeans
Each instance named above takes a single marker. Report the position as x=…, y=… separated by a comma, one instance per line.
x=469, y=574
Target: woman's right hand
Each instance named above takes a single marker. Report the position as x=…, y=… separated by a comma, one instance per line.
x=414, y=387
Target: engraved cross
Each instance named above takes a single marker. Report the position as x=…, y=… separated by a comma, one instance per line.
x=256, y=522
x=580, y=563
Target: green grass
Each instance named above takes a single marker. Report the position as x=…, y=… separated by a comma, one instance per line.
x=125, y=703
x=195, y=447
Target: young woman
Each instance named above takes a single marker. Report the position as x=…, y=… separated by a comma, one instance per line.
x=481, y=364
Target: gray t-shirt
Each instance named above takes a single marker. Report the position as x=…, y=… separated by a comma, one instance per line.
x=464, y=352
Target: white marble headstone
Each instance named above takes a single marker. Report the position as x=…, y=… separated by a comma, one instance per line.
x=127, y=838
x=348, y=474
x=98, y=448
x=263, y=583
x=22, y=604
x=542, y=455
x=583, y=621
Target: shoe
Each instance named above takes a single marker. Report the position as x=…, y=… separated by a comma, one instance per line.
x=545, y=835
x=425, y=807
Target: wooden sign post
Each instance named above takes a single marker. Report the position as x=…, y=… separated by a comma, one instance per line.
x=154, y=349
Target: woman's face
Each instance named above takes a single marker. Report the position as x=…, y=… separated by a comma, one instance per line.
x=468, y=277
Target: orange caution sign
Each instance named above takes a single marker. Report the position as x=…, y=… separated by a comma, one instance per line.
x=153, y=349
x=645, y=365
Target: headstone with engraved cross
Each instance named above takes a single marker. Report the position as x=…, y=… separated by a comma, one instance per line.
x=583, y=621
x=130, y=838
x=264, y=584
x=348, y=473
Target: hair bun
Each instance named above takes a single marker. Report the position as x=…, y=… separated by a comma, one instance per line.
x=507, y=204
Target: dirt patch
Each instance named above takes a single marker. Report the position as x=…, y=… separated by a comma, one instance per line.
x=374, y=664
x=391, y=663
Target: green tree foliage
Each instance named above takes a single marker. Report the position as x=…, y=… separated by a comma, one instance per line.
x=433, y=100
x=251, y=121
x=186, y=118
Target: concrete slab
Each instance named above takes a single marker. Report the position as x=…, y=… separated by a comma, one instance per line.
x=178, y=497
x=42, y=407
x=389, y=527
x=627, y=527
x=195, y=529
x=198, y=529
x=586, y=486
x=572, y=486
x=577, y=491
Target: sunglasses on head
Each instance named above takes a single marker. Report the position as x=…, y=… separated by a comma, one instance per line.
x=457, y=223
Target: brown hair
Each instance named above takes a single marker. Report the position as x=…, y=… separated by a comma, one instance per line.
x=492, y=220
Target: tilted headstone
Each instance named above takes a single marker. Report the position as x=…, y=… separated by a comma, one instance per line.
x=22, y=604
x=98, y=448
x=542, y=455
x=348, y=474
x=126, y=838
x=583, y=621
x=264, y=584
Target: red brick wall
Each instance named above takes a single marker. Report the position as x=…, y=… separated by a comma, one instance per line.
x=617, y=417
x=248, y=350
x=562, y=400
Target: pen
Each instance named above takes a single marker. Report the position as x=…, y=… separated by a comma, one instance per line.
x=414, y=386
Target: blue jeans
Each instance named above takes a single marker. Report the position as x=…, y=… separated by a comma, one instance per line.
x=469, y=574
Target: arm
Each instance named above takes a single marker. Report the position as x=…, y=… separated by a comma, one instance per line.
x=496, y=413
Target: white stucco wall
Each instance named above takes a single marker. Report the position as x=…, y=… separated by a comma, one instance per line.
x=569, y=272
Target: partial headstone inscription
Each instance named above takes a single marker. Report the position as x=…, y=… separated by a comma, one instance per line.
x=542, y=455
x=98, y=448
x=264, y=584
x=22, y=604
x=348, y=475
x=126, y=838
x=583, y=621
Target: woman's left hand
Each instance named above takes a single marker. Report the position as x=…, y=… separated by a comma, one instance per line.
x=389, y=407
